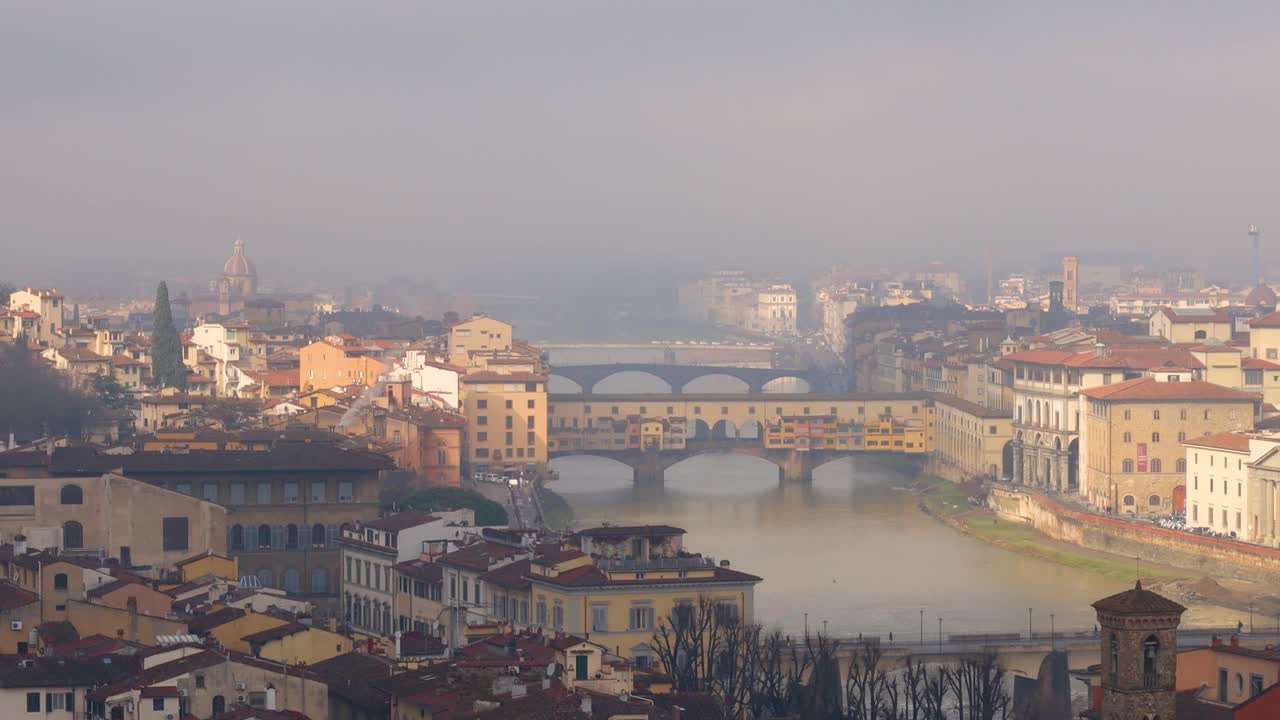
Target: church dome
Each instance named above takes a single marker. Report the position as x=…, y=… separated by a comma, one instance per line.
x=238, y=265
x=1261, y=296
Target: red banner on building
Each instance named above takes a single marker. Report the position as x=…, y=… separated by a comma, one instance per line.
x=1142, y=457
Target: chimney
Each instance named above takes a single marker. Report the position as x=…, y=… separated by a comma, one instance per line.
x=19, y=544
x=1215, y=641
x=1235, y=641
x=271, y=697
x=677, y=712
x=1099, y=349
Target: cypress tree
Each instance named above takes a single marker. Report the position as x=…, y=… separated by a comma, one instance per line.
x=167, y=369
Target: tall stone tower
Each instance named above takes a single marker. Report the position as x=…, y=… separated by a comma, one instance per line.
x=1139, y=635
x=1071, y=283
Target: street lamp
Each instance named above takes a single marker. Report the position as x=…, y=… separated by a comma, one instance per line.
x=824, y=627
x=939, y=636
x=1250, y=618
x=1030, y=633
x=1053, y=643
x=922, y=625
x=806, y=624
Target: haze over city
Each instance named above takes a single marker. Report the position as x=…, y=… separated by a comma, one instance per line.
x=575, y=135
x=722, y=360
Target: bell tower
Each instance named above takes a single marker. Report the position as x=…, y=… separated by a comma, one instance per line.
x=1139, y=635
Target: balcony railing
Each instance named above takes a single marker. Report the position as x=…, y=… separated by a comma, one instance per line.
x=1150, y=680
x=679, y=563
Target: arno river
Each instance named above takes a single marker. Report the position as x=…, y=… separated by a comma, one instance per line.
x=852, y=548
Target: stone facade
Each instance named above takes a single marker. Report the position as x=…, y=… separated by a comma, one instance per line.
x=1139, y=651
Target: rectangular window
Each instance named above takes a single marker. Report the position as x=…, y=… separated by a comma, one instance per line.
x=236, y=490
x=33, y=702
x=641, y=617
x=210, y=491
x=482, y=419
x=529, y=422
x=532, y=404
x=319, y=491
x=291, y=492
x=540, y=611
x=346, y=491
x=157, y=704
x=482, y=404
x=264, y=493
x=510, y=422
x=174, y=533
x=532, y=439
x=508, y=439
x=557, y=616
x=509, y=405
x=183, y=487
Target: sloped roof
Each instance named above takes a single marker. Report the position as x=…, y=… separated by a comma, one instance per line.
x=1148, y=388
x=1138, y=601
x=1234, y=441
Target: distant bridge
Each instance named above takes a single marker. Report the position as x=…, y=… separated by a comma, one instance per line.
x=678, y=377
x=796, y=432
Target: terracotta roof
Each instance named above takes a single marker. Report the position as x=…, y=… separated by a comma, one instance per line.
x=1259, y=364
x=1138, y=602
x=1041, y=357
x=481, y=555
x=622, y=531
x=1138, y=357
x=421, y=569
x=1147, y=388
x=12, y=596
x=1195, y=315
x=275, y=633
x=208, y=553
x=509, y=576
x=1234, y=441
x=592, y=576
x=402, y=520
x=1209, y=348
x=1270, y=320
x=966, y=406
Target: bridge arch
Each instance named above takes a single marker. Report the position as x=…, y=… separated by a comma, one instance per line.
x=724, y=429
x=561, y=385
x=716, y=383
x=750, y=430
x=787, y=384
x=699, y=430
x=632, y=382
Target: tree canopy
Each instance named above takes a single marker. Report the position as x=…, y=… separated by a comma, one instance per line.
x=167, y=368
x=487, y=511
x=35, y=400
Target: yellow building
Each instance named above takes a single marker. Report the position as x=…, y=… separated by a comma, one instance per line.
x=599, y=422
x=209, y=564
x=1134, y=430
x=1190, y=325
x=298, y=644
x=1264, y=337
x=339, y=360
x=19, y=615
x=620, y=602
x=971, y=439
x=48, y=306
x=240, y=625
x=478, y=334
x=506, y=420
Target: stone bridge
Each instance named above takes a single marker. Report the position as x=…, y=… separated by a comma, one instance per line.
x=677, y=377
x=649, y=467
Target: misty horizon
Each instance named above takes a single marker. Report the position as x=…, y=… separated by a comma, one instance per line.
x=453, y=142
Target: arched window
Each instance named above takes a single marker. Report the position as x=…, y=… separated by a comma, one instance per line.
x=1153, y=500
x=72, y=535
x=219, y=705
x=317, y=535
x=291, y=536
x=1156, y=465
x=1180, y=465
x=264, y=536
x=237, y=537
x=292, y=581
x=1155, y=437
x=1150, y=650
x=1128, y=500
x=265, y=577
x=1126, y=466
x=60, y=581
x=1128, y=437
x=72, y=495
x=1201, y=335
x=319, y=580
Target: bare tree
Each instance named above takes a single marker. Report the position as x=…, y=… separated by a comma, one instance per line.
x=978, y=683
x=866, y=683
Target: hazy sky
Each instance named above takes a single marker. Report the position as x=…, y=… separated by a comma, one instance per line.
x=431, y=137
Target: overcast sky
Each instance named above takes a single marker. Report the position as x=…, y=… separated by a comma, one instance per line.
x=470, y=136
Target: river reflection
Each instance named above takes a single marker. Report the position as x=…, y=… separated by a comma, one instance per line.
x=851, y=548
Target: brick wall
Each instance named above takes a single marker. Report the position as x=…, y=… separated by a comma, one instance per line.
x=1131, y=538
